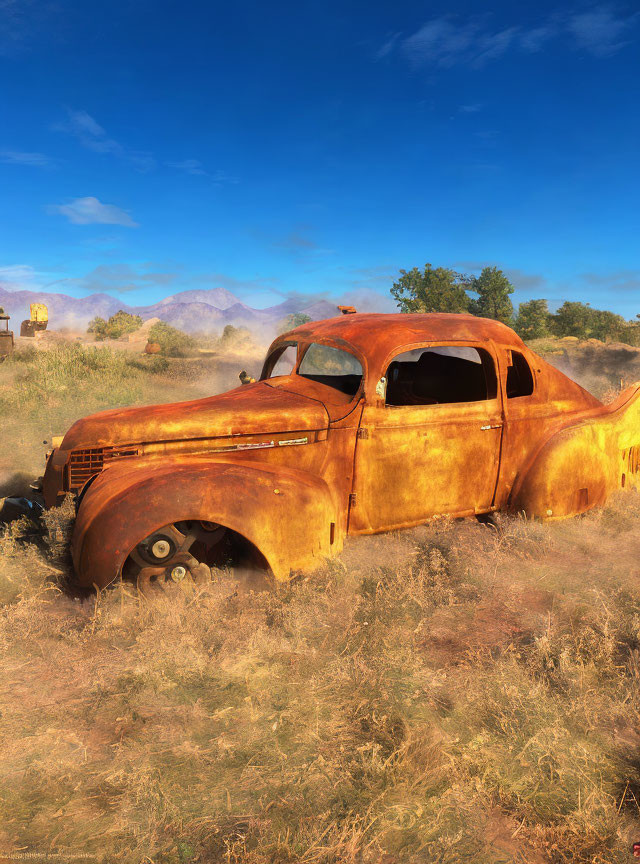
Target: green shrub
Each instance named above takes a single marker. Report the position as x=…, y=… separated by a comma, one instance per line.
x=118, y=325
x=172, y=342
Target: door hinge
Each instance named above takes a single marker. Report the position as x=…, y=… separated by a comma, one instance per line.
x=494, y=426
x=362, y=432
x=353, y=497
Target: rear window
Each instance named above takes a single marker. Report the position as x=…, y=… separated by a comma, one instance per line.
x=519, y=377
x=332, y=367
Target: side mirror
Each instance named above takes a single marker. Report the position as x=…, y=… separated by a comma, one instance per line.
x=381, y=388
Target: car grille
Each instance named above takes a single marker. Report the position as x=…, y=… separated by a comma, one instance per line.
x=84, y=464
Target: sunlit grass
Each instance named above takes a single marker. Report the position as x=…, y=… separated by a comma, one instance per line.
x=453, y=693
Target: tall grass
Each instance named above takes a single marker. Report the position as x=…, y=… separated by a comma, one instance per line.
x=454, y=693
x=476, y=701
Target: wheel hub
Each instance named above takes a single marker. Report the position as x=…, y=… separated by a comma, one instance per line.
x=161, y=548
x=166, y=557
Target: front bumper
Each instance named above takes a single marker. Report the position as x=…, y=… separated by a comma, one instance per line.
x=55, y=483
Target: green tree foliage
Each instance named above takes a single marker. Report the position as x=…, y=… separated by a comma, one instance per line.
x=122, y=323
x=572, y=319
x=97, y=326
x=533, y=319
x=579, y=319
x=434, y=289
x=118, y=325
x=296, y=319
x=172, y=342
x=493, y=290
x=607, y=325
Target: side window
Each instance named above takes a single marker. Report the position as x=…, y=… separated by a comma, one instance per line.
x=436, y=375
x=281, y=362
x=519, y=377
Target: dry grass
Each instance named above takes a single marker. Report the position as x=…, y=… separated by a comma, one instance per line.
x=454, y=693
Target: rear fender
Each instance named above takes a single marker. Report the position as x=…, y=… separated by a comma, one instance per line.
x=288, y=515
x=579, y=466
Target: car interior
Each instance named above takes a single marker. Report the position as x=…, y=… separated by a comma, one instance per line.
x=433, y=376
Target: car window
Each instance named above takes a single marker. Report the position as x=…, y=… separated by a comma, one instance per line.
x=333, y=367
x=441, y=374
x=282, y=361
x=519, y=377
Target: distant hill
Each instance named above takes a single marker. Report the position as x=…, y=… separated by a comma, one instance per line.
x=198, y=310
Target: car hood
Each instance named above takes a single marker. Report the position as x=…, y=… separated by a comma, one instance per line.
x=254, y=409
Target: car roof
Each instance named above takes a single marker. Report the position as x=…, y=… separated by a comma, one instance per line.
x=376, y=334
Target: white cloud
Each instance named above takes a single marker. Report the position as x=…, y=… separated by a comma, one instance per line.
x=447, y=41
x=17, y=157
x=388, y=46
x=189, y=166
x=91, y=135
x=442, y=43
x=19, y=277
x=220, y=178
x=89, y=211
x=599, y=31
x=195, y=167
x=615, y=280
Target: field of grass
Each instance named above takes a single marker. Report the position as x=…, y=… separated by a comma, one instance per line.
x=453, y=693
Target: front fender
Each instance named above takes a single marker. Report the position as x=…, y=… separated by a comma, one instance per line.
x=287, y=514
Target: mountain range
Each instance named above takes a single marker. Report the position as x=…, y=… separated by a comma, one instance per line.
x=205, y=310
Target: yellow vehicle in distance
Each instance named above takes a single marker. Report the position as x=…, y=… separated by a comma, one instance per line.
x=38, y=320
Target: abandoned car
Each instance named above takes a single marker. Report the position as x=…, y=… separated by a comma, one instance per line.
x=359, y=424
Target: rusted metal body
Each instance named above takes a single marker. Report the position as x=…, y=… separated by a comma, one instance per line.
x=471, y=423
x=6, y=337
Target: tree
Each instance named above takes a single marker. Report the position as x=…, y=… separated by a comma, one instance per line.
x=572, y=319
x=532, y=321
x=493, y=290
x=436, y=289
x=97, y=326
x=122, y=322
x=607, y=325
x=296, y=319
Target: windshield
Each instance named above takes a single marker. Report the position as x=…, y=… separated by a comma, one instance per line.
x=332, y=367
x=281, y=361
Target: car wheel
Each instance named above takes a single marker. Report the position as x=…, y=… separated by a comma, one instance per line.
x=175, y=555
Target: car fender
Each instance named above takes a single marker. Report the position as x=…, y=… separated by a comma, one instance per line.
x=579, y=466
x=289, y=515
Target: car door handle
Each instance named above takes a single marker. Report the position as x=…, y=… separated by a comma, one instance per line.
x=494, y=426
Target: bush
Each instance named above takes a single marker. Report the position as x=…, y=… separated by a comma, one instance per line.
x=296, y=319
x=172, y=342
x=235, y=337
x=118, y=325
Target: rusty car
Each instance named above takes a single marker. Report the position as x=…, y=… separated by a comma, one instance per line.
x=358, y=424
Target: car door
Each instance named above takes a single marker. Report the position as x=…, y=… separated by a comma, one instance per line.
x=430, y=443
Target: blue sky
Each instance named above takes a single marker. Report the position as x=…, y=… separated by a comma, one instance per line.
x=151, y=146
